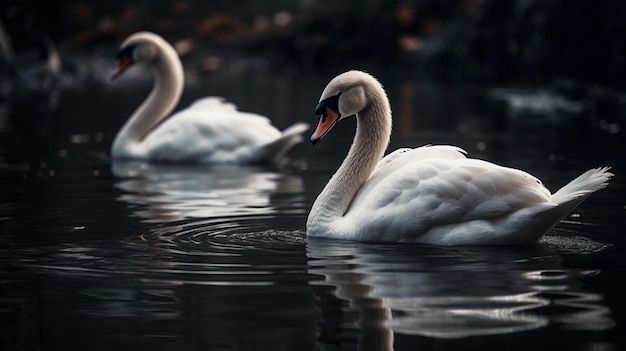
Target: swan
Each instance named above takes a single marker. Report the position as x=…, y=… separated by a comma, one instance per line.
x=210, y=131
x=431, y=194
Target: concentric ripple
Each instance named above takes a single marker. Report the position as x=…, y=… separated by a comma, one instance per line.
x=232, y=235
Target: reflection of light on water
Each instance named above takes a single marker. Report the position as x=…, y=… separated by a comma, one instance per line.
x=194, y=253
x=207, y=227
x=456, y=292
x=587, y=313
x=454, y=317
x=209, y=253
x=172, y=193
x=209, y=219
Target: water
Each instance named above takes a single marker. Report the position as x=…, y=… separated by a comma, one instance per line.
x=104, y=255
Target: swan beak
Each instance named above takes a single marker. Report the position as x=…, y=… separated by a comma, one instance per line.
x=328, y=111
x=125, y=61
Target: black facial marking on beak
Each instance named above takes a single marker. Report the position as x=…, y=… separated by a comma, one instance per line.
x=320, y=110
x=125, y=60
x=127, y=51
x=331, y=102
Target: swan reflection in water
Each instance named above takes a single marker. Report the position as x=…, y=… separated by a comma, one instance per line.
x=169, y=193
x=208, y=219
x=447, y=292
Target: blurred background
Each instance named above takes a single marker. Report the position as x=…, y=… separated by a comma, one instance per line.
x=561, y=62
x=91, y=257
x=547, y=57
x=519, y=42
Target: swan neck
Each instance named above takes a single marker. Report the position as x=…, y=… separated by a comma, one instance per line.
x=369, y=145
x=165, y=94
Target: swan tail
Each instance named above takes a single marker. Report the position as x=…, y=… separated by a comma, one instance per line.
x=571, y=195
x=580, y=188
x=296, y=130
x=290, y=136
x=533, y=222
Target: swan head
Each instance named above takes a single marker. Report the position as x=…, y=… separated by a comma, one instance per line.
x=346, y=95
x=139, y=48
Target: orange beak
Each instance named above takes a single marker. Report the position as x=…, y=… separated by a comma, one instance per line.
x=328, y=111
x=327, y=121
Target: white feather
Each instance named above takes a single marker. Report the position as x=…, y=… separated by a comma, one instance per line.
x=433, y=194
x=211, y=130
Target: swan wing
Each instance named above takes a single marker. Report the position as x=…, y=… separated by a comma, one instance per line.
x=213, y=103
x=205, y=134
x=404, y=156
x=416, y=197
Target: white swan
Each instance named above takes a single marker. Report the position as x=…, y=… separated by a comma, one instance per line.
x=209, y=131
x=432, y=194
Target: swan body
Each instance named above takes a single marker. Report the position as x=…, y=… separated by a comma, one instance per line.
x=209, y=131
x=431, y=194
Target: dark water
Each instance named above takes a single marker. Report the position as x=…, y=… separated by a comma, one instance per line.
x=101, y=255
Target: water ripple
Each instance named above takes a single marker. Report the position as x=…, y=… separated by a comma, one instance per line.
x=456, y=292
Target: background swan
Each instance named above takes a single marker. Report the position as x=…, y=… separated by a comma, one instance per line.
x=209, y=131
x=431, y=194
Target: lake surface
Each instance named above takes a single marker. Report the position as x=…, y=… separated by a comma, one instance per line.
x=96, y=254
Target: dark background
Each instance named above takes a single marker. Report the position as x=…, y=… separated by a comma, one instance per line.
x=519, y=42
x=564, y=61
x=534, y=84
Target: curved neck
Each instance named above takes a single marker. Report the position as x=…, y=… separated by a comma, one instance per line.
x=168, y=87
x=369, y=145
